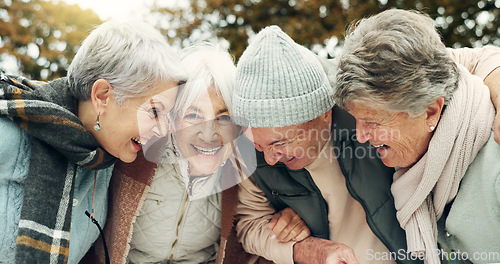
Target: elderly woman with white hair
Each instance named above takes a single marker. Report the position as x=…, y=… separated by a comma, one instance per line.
x=171, y=211
x=60, y=139
x=432, y=120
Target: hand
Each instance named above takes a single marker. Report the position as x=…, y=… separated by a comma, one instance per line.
x=287, y=225
x=313, y=250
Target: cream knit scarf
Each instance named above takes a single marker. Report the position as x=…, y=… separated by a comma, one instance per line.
x=422, y=191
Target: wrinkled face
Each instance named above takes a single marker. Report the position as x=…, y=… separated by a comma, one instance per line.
x=296, y=146
x=400, y=139
x=124, y=129
x=205, y=134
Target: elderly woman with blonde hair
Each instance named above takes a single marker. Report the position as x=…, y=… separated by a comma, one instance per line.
x=432, y=120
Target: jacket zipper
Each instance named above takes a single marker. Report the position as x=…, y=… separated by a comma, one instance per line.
x=176, y=240
x=184, y=207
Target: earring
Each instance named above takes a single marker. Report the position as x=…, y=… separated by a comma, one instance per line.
x=97, y=126
x=432, y=128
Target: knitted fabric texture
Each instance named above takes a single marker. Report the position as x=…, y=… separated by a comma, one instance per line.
x=279, y=83
x=60, y=142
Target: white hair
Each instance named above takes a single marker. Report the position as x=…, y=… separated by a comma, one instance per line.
x=132, y=57
x=206, y=65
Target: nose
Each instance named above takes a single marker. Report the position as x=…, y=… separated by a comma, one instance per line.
x=363, y=133
x=271, y=156
x=209, y=130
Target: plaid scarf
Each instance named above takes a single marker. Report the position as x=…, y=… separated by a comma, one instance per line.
x=60, y=142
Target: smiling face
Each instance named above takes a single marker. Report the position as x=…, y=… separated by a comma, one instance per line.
x=297, y=146
x=205, y=134
x=400, y=139
x=124, y=129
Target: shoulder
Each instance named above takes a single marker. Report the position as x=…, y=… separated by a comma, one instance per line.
x=486, y=168
x=12, y=134
x=487, y=158
x=490, y=153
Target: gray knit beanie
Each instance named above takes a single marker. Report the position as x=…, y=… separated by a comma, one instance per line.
x=279, y=83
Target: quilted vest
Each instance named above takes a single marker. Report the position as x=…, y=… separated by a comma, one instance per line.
x=170, y=225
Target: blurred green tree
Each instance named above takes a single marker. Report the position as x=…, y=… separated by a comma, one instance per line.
x=320, y=24
x=43, y=36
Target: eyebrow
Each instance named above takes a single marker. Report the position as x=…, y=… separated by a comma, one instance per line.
x=277, y=141
x=194, y=108
x=371, y=120
x=222, y=111
x=155, y=103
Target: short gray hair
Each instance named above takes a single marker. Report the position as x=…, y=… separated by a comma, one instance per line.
x=206, y=64
x=396, y=60
x=132, y=57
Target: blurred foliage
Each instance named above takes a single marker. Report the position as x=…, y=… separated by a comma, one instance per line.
x=320, y=24
x=43, y=35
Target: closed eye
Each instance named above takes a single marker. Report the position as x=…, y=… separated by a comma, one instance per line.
x=224, y=118
x=191, y=116
x=154, y=111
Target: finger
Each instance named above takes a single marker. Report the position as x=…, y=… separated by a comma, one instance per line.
x=273, y=221
x=351, y=261
x=343, y=260
x=281, y=224
x=337, y=260
x=349, y=256
x=305, y=233
x=291, y=235
x=294, y=232
x=293, y=228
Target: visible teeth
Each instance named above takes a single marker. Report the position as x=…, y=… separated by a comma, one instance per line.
x=379, y=146
x=138, y=141
x=207, y=151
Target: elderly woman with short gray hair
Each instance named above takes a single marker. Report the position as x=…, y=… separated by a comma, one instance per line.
x=432, y=120
x=59, y=140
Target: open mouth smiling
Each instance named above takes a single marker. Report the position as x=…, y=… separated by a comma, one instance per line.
x=138, y=141
x=382, y=146
x=207, y=151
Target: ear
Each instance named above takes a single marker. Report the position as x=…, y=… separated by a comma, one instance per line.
x=433, y=112
x=101, y=95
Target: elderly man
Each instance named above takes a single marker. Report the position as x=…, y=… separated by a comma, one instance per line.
x=315, y=165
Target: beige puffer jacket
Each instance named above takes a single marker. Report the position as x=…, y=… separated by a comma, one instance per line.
x=178, y=220
x=132, y=182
